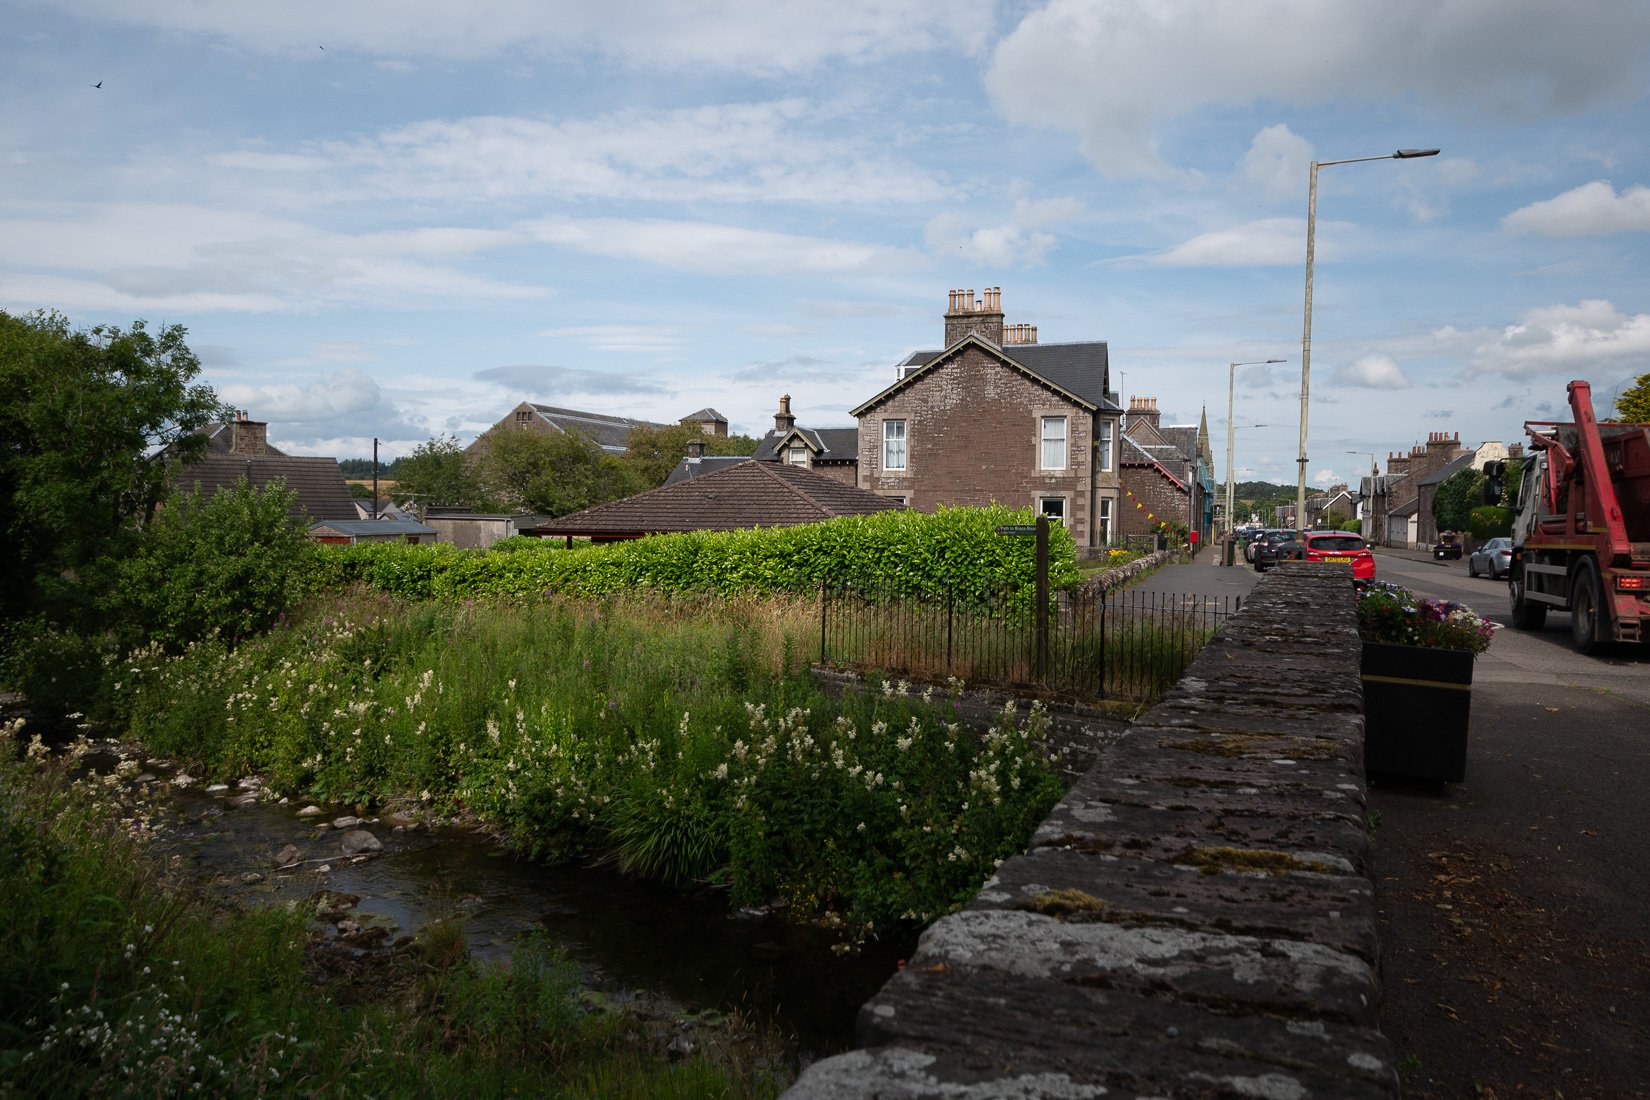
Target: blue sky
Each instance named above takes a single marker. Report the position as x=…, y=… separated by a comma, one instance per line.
x=398, y=219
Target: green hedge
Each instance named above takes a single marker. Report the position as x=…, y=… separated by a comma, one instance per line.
x=954, y=549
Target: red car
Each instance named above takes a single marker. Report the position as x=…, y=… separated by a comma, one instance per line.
x=1333, y=546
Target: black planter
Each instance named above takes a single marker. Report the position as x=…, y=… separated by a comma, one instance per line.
x=1417, y=700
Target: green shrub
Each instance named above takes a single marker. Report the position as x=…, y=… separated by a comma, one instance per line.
x=224, y=565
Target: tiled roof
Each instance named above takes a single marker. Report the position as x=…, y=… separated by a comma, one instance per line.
x=319, y=482
x=1079, y=368
x=1144, y=456
x=747, y=494
x=705, y=414
x=1450, y=469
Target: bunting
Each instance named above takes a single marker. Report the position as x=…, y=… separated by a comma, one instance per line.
x=1141, y=507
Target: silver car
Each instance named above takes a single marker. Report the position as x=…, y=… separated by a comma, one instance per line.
x=1491, y=559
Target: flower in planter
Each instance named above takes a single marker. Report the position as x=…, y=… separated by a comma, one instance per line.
x=1389, y=613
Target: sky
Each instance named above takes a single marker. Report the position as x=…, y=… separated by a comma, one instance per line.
x=397, y=219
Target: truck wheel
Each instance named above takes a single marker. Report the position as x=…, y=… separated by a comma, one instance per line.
x=1525, y=615
x=1586, y=616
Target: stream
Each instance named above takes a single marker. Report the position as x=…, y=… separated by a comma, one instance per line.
x=631, y=938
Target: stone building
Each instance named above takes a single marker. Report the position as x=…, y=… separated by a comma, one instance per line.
x=994, y=416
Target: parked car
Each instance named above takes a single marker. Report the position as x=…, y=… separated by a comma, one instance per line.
x=1256, y=537
x=1447, y=546
x=1492, y=559
x=1330, y=546
x=1265, y=549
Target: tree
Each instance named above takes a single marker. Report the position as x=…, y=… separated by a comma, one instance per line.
x=1633, y=406
x=653, y=452
x=1455, y=499
x=225, y=565
x=438, y=472
x=89, y=420
x=552, y=473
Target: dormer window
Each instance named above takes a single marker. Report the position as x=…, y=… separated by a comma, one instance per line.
x=796, y=454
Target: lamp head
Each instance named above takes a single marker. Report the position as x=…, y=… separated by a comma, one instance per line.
x=1411, y=154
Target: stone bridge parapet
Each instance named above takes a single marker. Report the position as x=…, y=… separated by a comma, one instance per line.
x=1194, y=919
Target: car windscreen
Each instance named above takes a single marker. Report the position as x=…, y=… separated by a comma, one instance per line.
x=1332, y=544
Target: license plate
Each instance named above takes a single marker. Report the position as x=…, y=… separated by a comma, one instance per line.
x=1338, y=558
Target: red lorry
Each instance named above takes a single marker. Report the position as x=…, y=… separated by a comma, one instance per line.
x=1581, y=529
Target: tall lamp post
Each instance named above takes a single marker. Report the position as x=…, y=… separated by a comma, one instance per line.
x=1231, y=381
x=1306, y=330
x=1233, y=427
x=1374, y=472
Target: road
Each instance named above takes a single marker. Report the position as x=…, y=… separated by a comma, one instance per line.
x=1513, y=906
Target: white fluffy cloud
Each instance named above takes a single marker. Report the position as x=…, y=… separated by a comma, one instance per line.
x=1374, y=372
x=1276, y=162
x=1560, y=339
x=348, y=392
x=1021, y=241
x=1113, y=71
x=1589, y=210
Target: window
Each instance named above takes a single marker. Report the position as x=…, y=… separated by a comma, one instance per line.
x=1054, y=443
x=796, y=454
x=523, y=416
x=1103, y=448
x=893, y=444
x=1105, y=521
x=1053, y=507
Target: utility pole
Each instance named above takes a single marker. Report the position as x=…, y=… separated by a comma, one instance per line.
x=374, y=477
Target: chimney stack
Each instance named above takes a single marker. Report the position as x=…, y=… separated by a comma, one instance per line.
x=248, y=437
x=1144, y=409
x=696, y=450
x=982, y=317
x=783, y=421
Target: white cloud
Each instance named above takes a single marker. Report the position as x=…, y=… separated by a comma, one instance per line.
x=1269, y=241
x=760, y=36
x=650, y=339
x=1277, y=162
x=1020, y=242
x=705, y=247
x=1589, y=210
x=348, y=392
x=1114, y=71
x=1562, y=339
x=770, y=152
x=1375, y=372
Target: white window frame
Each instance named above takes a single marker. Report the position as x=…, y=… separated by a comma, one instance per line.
x=1105, y=521
x=1105, y=447
x=796, y=455
x=895, y=443
x=1045, y=441
x=1042, y=508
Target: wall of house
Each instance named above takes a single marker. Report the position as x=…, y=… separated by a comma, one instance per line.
x=972, y=438
x=1158, y=494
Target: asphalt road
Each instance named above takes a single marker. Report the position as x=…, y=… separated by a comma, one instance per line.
x=1515, y=906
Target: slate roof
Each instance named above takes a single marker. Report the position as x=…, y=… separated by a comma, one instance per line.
x=1143, y=456
x=319, y=482
x=705, y=414
x=687, y=468
x=746, y=494
x=1183, y=437
x=829, y=445
x=1449, y=469
x=1079, y=368
x=610, y=433
x=359, y=527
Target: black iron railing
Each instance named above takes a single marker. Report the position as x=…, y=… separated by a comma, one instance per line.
x=1120, y=645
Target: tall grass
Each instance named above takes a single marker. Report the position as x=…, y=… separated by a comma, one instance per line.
x=115, y=980
x=676, y=736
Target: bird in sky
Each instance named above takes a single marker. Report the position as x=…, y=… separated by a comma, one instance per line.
x=98, y=85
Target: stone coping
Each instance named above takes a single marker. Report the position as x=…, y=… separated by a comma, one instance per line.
x=1194, y=918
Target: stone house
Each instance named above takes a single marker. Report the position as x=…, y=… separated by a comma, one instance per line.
x=240, y=449
x=1167, y=471
x=994, y=416
x=1395, y=499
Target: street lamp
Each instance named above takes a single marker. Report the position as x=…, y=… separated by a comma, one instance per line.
x=1306, y=330
x=1231, y=379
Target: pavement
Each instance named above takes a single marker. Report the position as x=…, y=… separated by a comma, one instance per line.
x=1513, y=906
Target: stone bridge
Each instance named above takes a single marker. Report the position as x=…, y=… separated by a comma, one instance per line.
x=1194, y=919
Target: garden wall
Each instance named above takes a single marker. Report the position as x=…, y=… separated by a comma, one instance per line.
x=1195, y=917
